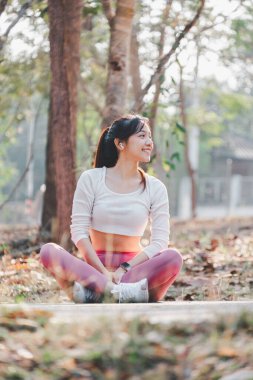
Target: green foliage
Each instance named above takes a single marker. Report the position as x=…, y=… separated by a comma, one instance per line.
x=176, y=156
x=15, y=374
x=26, y=76
x=179, y=127
x=20, y=298
x=242, y=34
x=235, y=105
x=178, y=131
x=172, y=143
x=23, y=82
x=92, y=7
x=221, y=111
x=88, y=131
x=7, y=173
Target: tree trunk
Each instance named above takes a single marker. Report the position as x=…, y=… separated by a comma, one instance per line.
x=119, y=52
x=158, y=167
x=64, y=37
x=135, y=64
x=49, y=200
x=158, y=82
x=191, y=171
x=3, y=4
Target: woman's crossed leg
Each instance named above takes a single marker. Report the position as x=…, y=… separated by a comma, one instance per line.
x=160, y=271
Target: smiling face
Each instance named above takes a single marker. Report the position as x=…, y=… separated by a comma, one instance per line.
x=140, y=145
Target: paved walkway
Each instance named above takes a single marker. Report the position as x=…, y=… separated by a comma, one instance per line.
x=164, y=312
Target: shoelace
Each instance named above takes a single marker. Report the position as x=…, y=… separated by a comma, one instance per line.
x=124, y=290
x=113, y=291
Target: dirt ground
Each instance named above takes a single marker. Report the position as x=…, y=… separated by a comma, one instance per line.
x=218, y=258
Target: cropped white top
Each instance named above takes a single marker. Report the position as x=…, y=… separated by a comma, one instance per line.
x=96, y=206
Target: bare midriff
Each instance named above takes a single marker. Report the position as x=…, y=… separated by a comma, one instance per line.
x=102, y=241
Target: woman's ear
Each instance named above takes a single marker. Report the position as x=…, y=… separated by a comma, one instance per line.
x=118, y=143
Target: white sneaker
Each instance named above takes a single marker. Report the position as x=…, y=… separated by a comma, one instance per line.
x=80, y=294
x=131, y=292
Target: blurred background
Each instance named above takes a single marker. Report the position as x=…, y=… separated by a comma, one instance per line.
x=187, y=65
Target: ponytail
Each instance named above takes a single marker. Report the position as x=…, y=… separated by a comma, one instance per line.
x=106, y=154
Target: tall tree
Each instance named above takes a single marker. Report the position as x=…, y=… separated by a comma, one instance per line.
x=120, y=22
x=159, y=80
x=135, y=64
x=165, y=58
x=64, y=37
x=191, y=171
x=158, y=84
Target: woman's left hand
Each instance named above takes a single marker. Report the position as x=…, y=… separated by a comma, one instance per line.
x=117, y=275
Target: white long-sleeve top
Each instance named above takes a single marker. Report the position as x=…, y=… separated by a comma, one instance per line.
x=96, y=206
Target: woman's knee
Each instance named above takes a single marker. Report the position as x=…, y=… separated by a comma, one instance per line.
x=175, y=258
x=46, y=252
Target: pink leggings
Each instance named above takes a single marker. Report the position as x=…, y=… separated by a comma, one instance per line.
x=160, y=271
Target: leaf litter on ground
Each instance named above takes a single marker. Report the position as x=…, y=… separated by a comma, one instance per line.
x=217, y=266
x=118, y=348
x=218, y=263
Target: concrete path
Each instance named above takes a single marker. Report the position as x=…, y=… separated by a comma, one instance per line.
x=164, y=312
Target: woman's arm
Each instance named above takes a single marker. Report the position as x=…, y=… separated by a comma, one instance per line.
x=88, y=252
x=138, y=259
x=159, y=215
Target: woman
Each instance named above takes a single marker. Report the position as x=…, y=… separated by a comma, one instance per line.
x=111, y=207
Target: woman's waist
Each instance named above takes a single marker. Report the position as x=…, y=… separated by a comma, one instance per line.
x=103, y=252
x=114, y=243
x=118, y=228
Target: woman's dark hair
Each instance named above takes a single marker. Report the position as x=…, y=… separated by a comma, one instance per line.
x=122, y=128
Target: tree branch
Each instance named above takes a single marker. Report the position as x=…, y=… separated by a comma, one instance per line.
x=9, y=125
x=21, y=178
x=20, y=14
x=224, y=19
x=91, y=98
x=164, y=60
x=108, y=11
x=158, y=82
x=3, y=4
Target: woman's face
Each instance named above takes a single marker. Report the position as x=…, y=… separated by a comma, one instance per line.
x=140, y=145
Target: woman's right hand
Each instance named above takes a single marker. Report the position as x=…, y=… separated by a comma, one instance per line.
x=109, y=276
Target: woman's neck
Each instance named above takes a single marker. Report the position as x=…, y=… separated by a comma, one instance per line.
x=125, y=170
